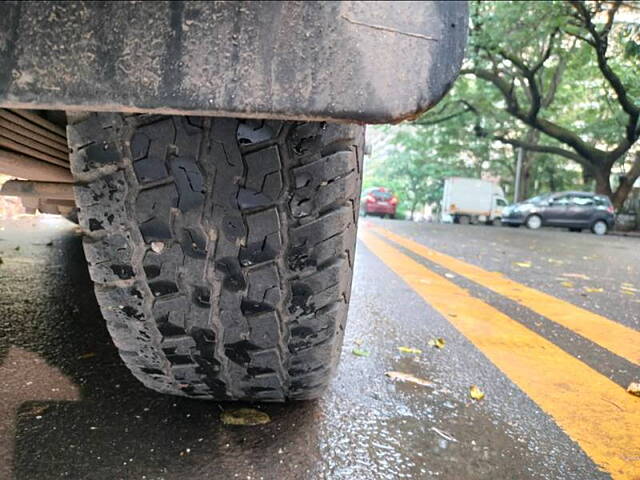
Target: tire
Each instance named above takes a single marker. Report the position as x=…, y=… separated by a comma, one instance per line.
x=600, y=227
x=575, y=229
x=534, y=222
x=221, y=249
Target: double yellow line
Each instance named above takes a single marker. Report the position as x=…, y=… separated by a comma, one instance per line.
x=594, y=411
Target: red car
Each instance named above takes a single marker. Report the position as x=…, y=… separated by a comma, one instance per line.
x=379, y=201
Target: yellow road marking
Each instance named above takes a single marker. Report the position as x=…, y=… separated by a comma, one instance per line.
x=617, y=338
x=590, y=408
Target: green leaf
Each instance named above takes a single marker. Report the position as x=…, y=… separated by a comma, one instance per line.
x=412, y=350
x=358, y=352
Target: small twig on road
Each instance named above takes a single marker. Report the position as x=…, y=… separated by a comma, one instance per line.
x=444, y=435
x=617, y=406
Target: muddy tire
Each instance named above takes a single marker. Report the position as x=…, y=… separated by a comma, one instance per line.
x=221, y=249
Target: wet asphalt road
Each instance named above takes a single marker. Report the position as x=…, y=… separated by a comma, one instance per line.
x=70, y=409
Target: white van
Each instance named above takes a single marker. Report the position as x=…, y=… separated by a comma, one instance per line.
x=471, y=200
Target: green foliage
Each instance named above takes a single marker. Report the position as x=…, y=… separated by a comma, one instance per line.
x=412, y=166
x=475, y=128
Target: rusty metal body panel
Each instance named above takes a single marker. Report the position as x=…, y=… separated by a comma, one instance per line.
x=371, y=62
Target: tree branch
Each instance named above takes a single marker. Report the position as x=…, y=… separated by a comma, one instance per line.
x=467, y=107
x=600, y=45
x=558, y=132
x=543, y=149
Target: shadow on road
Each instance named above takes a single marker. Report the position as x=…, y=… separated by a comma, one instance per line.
x=114, y=427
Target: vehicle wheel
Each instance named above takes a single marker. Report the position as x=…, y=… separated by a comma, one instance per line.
x=464, y=220
x=575, y=229
x=534, y=222
x=221, y=249
x=600, y=227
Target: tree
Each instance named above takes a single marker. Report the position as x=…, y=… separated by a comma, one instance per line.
x=569, y=72
x=413, y=165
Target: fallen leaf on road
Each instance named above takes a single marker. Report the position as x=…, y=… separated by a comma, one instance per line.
x=576, y=275
x=244, y=416
x=629, y=289
x=358, y=342
x=476, y=393
x=35, y=410
x=593, y=290
x=449, y=275
x=567, y=284
x=17, y=249
x=437, y=342
x=86, y=355
x=634, y=388
x=628, y=292
x=407, y=377
x=358, y=352
x=523, y=264
x=417, y=351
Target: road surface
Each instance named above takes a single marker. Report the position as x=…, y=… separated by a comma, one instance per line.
x=544, y=323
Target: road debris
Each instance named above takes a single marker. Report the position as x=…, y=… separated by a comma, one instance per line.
x=634, y=388
x=449, y=275
x=359, y=352
x=157, y=247
x=407, y=377
x=245, y=417
x=476, y=393
x=415, y=351
x=593, y=290
x=576, y=275
x=444, y=434
x=437, y=342
x=523, y=264
x=86, y=355
x=567, y=284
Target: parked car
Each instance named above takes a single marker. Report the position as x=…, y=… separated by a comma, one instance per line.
x=572, y=210
x=379, y=201
x=472, y=200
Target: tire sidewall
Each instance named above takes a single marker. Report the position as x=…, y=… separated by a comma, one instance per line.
x=600, y=231
x=536, y=225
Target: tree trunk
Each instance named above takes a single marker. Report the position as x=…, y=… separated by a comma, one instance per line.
x=626, y=184
x=552, y=179
x=528, y=157
x=414, y=204
x=603, y=187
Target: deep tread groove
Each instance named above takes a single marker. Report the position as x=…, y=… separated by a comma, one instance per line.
x=246, y=297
